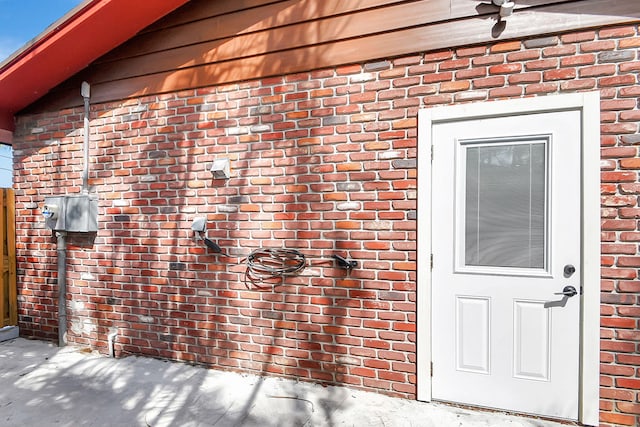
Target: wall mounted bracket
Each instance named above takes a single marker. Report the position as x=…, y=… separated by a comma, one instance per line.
x=345, y=263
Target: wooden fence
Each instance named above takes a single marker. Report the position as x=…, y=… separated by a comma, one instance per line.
x=8, y=292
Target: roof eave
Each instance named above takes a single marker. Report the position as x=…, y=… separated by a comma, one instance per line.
x=69, y=45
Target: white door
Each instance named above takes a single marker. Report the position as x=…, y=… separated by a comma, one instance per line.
x=506, y=205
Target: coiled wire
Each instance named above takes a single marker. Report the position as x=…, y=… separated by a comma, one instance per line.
x=270, y=263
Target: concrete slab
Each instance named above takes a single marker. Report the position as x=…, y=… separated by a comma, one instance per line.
x=42, y=385
x=9, y=333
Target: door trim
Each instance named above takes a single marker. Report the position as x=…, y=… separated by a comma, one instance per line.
x=589, y=105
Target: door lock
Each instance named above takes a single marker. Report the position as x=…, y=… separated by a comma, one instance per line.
x=568, y=291
x=569, y=270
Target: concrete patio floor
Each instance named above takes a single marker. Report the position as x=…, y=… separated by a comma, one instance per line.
x=42, y=385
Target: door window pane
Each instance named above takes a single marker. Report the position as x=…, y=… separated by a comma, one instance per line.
x=505, y=205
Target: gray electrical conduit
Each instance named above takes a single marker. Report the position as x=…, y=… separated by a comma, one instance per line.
x=86, y=93
x=61, y=236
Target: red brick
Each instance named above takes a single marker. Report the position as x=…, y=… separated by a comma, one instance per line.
x=631, y=359
x=606, y=33
x=618, y=104
x=422, y=69
x=531, y=77
x=578, y=37
x=437, y=77
x=633, y=91
x=454, y=64
x=471, y=73
x=628, y=407
x=505, y=69
x=489, y=82
x=405, y=82
x=608, y=393
x=619, y=128
x=597, y=70
x=628, y=336
x=348, y=69
x=314, y=159
x=624, y=80
x=541, y=88
x=618, y=176
x=454, y=86
x=439, y=99
x=632, y=287
x=578, y=60
x=506, y=92
x=543, y=64
x=471, y=51
x=597, y=46
x=629, y=43
x=630, y=163
x=618, y=224
x=629, y=237
x=438, y=56
x=617, y=419
x=505, y=47
x=488, y=59
x=630, y=116
x=525, y=55
x=629, y=212
x=618, y=201
x=617, y=370
x=561, y=74
x=618, y=347
x=609, y=322
x=620, y=248
x=608, y=117
x=408, y=60
x=553, y=51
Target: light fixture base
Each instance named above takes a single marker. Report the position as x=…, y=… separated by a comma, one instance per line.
x=221, y=169
x=506, y=9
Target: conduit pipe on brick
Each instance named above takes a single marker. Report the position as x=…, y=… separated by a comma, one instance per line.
x=61, y=243
x=86, y=94
x=111, y=338
x=82, y=219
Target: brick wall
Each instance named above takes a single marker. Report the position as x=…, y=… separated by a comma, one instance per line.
x=323, y=162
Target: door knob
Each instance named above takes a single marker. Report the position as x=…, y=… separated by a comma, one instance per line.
x=568, y=291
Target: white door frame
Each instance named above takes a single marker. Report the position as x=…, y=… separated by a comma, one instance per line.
x=589, y=106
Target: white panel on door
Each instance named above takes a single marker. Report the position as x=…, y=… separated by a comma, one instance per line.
x=532, y=335
x=473, y=334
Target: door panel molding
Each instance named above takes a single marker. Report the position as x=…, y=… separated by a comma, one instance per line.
x=588, y=104
x=525, y=365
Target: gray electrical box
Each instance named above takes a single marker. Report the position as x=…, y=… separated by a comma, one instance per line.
x=78, y=213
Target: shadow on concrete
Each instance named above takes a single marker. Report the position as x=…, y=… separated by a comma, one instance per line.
x=43, y=385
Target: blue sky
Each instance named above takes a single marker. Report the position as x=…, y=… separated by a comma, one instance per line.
x=22, y=20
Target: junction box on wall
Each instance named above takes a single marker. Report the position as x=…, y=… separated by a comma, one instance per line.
x=77, y=213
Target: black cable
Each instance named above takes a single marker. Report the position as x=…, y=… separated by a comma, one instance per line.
x=270, y=263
